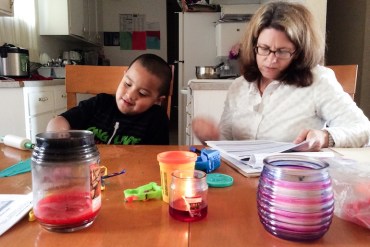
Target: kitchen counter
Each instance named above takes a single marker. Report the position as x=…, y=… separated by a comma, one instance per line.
x=204, y=97
x=34, y=83
x=210, y=84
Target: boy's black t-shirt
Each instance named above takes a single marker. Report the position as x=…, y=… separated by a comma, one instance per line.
x=100, y=115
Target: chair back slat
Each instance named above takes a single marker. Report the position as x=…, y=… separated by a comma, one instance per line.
x=347, y=77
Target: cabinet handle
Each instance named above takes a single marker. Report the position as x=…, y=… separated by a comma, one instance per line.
x=64, y=96
x=43, y=99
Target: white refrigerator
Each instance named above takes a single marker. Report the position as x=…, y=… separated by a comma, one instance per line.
x=197, y=47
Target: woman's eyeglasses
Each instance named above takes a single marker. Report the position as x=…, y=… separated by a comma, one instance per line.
x=280, y=54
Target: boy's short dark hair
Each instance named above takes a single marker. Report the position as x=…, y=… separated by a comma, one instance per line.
x=158, y=67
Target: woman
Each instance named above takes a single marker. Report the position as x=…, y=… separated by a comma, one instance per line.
x=285, y=94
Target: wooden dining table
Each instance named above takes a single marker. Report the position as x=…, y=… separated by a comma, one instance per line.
x=232, y=218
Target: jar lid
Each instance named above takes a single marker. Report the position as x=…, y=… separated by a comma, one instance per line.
x=177, y=157
x=9, y=48
x=219, y=180
x=71, y=145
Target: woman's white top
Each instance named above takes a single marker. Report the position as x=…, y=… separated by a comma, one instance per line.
x=284, y=110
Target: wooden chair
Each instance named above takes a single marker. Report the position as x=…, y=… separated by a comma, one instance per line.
x=347, y=77
x=91, y=79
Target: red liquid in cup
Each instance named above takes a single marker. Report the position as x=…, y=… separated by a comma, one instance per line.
x=187, y=215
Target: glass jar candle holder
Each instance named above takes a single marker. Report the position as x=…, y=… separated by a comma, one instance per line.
x=295, y=199
x=188, y=195
x=66, y=181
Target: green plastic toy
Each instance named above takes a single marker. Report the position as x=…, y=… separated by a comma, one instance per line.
x=143, y=193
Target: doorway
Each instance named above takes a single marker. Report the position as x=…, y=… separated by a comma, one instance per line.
x=172, y=55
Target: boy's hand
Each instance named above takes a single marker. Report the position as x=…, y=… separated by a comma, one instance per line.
x=58, y=123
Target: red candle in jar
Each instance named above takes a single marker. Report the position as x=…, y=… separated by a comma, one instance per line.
x=188, y=195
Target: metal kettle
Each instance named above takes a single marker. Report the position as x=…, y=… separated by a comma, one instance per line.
x=14, y=61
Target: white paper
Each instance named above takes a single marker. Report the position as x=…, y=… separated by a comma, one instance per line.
x=12, y=208
x=244, y=150
x=244, y=169
x=247, y=156
x=132, y=22
x=359, y=154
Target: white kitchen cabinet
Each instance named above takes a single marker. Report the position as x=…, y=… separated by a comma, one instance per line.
x=60, y=99
x=61, y=17
x=205, y=98
x=227, y=35
x=26, y=111
x=6, y=7
x=75, y=18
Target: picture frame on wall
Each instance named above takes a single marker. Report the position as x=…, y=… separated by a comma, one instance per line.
x=111, y=39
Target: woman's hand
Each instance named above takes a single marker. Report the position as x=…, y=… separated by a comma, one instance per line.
x=317, y=139
x=205, y=129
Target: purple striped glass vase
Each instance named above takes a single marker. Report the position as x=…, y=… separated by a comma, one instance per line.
x=295, y=199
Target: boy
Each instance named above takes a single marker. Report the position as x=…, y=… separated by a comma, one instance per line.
x=133, y=115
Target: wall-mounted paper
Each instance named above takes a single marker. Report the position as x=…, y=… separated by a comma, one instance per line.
x=137, y=34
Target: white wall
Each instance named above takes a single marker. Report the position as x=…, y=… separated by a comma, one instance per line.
x=155, y=11
x=54, y=46
x=318, y=9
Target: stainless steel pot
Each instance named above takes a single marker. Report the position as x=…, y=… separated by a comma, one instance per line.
x=14, y=61
x=208, y=72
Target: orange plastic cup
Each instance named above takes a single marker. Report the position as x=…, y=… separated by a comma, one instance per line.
x=170, y=161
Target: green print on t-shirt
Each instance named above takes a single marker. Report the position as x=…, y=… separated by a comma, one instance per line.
x=104, y=137
x=126, y=140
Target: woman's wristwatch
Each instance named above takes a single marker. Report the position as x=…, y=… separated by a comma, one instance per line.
x=331, y=142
